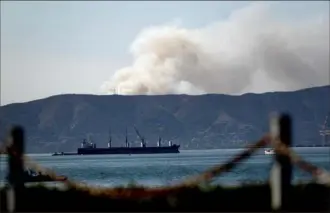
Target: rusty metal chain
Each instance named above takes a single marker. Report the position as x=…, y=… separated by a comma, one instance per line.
x=194, y=181
x=321, y=175
x=217, y=170
x=3, y=148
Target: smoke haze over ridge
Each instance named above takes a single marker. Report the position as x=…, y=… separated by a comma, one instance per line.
x=251, y=51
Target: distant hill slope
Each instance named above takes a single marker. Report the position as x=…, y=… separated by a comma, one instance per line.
x=59, y=123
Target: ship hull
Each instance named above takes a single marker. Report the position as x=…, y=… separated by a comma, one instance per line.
x=130, y=150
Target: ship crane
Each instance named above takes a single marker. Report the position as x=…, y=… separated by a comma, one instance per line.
x=143, y=143
x=325, y=131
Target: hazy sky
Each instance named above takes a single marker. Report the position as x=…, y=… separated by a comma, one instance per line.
x=50, y=48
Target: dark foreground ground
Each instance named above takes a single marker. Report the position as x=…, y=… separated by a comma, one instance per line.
x=250, y=198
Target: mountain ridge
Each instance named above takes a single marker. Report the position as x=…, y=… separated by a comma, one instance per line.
x=60, y=122
x=249, y=93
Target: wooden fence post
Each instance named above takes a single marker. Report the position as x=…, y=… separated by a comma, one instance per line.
x=281, y=174
x=16, y=169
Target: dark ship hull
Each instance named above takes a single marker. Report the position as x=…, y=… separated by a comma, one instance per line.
x=129, y=150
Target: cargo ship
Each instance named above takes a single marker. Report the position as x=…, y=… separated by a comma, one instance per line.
x=89, y=148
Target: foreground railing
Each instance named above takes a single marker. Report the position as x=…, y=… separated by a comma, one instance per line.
x=279, y=138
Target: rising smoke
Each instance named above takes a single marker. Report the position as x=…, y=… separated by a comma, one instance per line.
x=251, y=51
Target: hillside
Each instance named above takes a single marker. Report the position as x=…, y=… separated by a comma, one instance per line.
x=59, y=123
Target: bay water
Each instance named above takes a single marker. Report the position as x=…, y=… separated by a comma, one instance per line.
x=166, y=169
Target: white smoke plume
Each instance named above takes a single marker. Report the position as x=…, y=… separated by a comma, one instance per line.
x=251, y=51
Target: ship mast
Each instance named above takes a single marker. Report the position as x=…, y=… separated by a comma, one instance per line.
x=126, y=139
x=325, y=131
x=159, y=141
x=110, y=139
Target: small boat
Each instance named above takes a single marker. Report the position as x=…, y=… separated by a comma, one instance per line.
x=33, y=176
x=63, y=153
x=269, y=152
x=57, y=153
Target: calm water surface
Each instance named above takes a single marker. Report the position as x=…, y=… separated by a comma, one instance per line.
x=164, y=169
